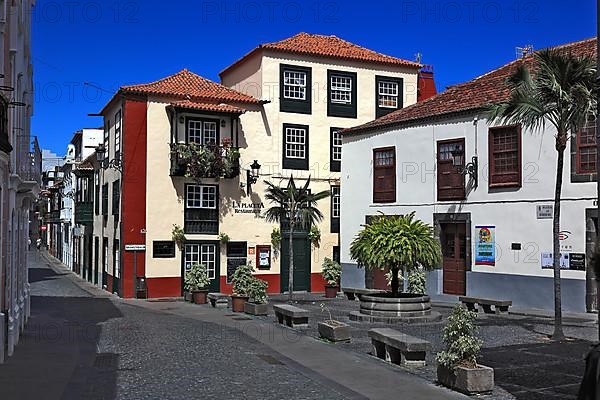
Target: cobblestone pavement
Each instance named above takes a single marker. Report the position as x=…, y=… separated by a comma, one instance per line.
x=81, y=347
x=527, y=365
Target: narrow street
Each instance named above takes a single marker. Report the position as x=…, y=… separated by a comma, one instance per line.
x=79, y=346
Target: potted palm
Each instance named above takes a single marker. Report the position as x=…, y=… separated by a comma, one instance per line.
x=331, y=273
x=242, y=281
x=296, y=206
x=196, y=282
x=257, y=293
x=457, y=364
x=400, y=244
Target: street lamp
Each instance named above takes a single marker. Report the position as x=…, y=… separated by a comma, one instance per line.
x=115, y=163
x=458, y=160
x=252, y=176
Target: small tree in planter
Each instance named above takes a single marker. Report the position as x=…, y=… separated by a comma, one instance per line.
x=457, y=365
x=196, y=282
x=242, y=281
x=331, y=273
x=178, y=235
x=257, y=292
x=417, y=282
x=333, y=330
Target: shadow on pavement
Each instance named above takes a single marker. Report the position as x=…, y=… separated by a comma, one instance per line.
x=539, y=371
x=56, y=356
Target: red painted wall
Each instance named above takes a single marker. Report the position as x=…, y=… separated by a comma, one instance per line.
x=133, y=197
x=426, y=84
x=317, y=283
x=164, y=287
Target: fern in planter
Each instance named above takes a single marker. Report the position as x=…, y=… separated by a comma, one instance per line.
x=331, y=271
x=275, y=238
x=314, y=235
x=462, y=345
x=178, y=235
x=224, y=238
x=196, y=278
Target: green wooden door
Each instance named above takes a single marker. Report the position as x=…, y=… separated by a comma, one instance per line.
x=301, y=262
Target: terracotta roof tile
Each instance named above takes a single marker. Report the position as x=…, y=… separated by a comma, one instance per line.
x=486, y=89
x=87, y=164
x=186, y=84
x=201, y=106
x=327, y=46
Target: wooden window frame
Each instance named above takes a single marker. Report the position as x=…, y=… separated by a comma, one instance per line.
x=198, y=215
x=377, y=196
x=463, y=195
x=343, y=110
x=335, y=221
x=334, y=165
x=381, y=111
x=118, y=123
x=496, y=180
x=298, y=106
x=296, y=163
x=162, y=244
x=579, y=146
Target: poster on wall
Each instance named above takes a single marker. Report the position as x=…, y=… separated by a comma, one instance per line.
x=485, y=245
x=572, y=261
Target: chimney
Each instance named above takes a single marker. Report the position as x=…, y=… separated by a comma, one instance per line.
x=425, y=83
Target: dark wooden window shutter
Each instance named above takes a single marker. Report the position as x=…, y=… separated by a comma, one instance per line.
x=450, y=182
x=505, y=156
x=384, y=175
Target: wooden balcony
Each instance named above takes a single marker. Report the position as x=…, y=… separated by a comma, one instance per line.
x=84, y=213
x=197, y=161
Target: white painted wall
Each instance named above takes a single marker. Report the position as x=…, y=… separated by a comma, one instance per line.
x=416, y=191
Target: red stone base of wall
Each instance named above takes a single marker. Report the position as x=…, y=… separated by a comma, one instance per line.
x=171, y=287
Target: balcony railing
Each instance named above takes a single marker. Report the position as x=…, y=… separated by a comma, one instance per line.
x=29, y=159
x=84, y=213
x=197, y=161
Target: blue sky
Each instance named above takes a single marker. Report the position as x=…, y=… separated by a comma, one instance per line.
x=112, y=43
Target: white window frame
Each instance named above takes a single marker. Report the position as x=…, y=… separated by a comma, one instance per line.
x=294, y=85
x=201, y=196
x=116, y=259
x=295, y=144
x=118, y=132
x=336, y=146
x=335, y=201
x=385, y=92
x=194, y=131
x=204, y=254
x=340, y=89
x=209, y=132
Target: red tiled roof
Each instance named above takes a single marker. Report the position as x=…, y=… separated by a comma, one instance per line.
x=194, y=105
x=487, y=89
x=87, y=164
x=327, y=46
x=188, y=85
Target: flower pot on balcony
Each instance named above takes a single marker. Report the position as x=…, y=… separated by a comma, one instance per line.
x=238, y=302
x=467, y=380
x=331, y=291
x=199, y=296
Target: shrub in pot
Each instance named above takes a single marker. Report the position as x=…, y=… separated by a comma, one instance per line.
x=242, y=280
x=257, y=293
x=196, y=282
x=331, y=273
x=457, y=364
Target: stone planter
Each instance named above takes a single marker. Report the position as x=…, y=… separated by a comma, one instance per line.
x=187, y=296
x=467, y=380
x=238, y=302
x=331, y=291
x=335, y=331
x=389, y=309
x=256, y=309
x=199, y=296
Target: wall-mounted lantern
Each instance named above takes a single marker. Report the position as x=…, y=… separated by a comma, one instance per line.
x=458, y=160
x=252, y=176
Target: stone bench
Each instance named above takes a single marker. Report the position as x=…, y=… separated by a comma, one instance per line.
x=486, y=304
x=218, y=299
x=399, y=348
x=292, y=316
x=352, y=293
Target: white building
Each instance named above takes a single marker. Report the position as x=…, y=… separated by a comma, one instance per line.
x=496, y=237
x=20, y=169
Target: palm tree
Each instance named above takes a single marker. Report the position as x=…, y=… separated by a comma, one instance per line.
x=396, y=242
x=299, y=207
x=560, y=88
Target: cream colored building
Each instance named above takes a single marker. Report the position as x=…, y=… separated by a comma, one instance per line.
x=280, y=105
